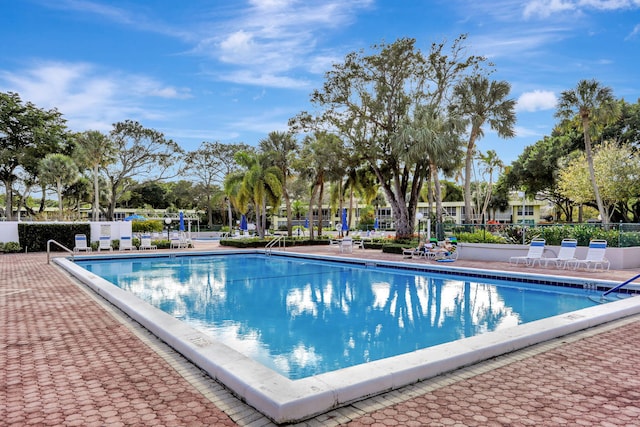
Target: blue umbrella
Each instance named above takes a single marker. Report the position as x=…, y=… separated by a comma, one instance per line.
x=181, y=221
x=345, y=226
x=135, y=217
x=375, y=224
x=243, y=223
x=306, y=222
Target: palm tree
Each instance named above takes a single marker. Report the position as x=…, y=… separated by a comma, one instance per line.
x=434, y=138
x=480, y=101
x=95, y=150
x=590, y=102
x=259, y=183
x=489, y=162
x=280, y=147
x=321, y=160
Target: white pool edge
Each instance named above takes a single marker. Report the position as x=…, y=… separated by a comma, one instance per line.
x=283, y=400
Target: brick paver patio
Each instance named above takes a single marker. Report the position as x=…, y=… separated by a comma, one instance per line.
x=68, y=358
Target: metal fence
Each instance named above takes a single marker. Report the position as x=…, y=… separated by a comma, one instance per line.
x=620, y=235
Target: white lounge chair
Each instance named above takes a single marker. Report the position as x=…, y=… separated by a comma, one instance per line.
x=334, y=242
x=346, y=244
x=536, y=249
x=105, y=243
x=566, y=253
x=81, y=243
x=428, y=251
x=125, y=244
x=409, y=252
x=358, y=242
x=595, y=256
x=145, y=243
x=178, y=241
x=448, y=252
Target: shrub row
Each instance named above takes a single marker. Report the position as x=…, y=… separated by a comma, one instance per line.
x=34, y=236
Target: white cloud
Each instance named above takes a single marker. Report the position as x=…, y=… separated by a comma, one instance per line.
x=634, y=33
x=547, y=8
x=249, y=77
x=89, y=98
x=536, y=101
x=524, y=132
x=268, y=42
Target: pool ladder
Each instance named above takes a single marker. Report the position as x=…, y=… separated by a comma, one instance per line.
x=280, y=241
x=49, y=242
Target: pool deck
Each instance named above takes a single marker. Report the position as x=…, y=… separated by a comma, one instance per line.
x=70, y=358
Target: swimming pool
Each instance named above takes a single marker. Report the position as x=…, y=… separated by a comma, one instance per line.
x=303, y=317
x=282, y=399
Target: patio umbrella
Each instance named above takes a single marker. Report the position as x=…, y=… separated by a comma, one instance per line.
x=375, y=224
x=181, y=228
x=243, y=223
x=135, y=217
x=345, y=226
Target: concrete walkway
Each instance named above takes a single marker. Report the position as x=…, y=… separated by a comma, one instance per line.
x=69, y=358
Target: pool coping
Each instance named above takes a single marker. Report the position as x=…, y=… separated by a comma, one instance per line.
x=284, y=400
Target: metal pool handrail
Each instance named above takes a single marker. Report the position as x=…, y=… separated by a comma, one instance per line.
x=277, y=240
x=59, y=244
x=615, y=288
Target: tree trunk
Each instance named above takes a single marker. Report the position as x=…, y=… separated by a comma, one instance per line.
x=59, y=190
x=437, y=189
x=264, y=219
x=468, y=210
x=314, y=190
x=8, y=185
x=287, y=203
x=209, y=211
x=592, y=172
x=320, y=194
x=230, y=214
x=350, y=210
x=96, y=195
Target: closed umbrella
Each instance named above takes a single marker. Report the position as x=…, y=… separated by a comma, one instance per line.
x=243, y=223
x=345, y=226
x=306, y=222
x=181, y=221
x=375, y=224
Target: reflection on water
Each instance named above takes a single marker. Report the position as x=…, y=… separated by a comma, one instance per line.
x=302, y=318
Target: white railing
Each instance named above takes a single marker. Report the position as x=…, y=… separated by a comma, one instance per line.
x=62, y=246
x=281, y=241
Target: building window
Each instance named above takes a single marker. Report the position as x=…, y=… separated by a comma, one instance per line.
x=528, y=210
x=450, y=210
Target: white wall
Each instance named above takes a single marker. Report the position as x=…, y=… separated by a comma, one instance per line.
x=620, y=258
x=115, y=229
x=9, y=230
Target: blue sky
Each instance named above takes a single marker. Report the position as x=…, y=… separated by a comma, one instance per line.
x=232, y=71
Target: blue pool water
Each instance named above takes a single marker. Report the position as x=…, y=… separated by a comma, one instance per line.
x=303, y=317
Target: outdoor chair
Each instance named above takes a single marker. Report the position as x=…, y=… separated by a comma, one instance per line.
x=126, y=244
x=346, y=245
x=536, y=249
x=448, y=252
x=595, y=256
x=105, y=243
x=566, y=253
x=81, y=243
x=145, y=243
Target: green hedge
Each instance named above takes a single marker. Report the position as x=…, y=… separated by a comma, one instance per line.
x=10, y=247
x=148, y=226
x=34, y=236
